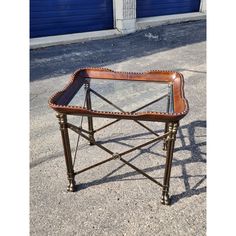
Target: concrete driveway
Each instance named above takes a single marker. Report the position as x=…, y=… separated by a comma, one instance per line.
x=113, y=199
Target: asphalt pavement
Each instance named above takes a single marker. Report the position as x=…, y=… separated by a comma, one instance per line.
x=114, y=199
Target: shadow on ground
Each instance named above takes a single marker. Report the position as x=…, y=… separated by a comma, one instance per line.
x=60, y=60
x=197, y=156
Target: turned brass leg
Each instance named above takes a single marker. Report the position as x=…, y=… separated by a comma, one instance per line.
x=67, y=151
x=165, y=139
x=165, y=199
x=90, y=119
x=167, y=110
x=90, y=128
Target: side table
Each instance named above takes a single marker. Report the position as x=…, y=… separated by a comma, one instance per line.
x=78, y=98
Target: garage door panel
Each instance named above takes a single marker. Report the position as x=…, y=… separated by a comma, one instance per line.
x=82, y=24
x=150, y=8
x=69, y=3
x=56, y=13
x=69, y=16
x=73, y=18
x=60, y=31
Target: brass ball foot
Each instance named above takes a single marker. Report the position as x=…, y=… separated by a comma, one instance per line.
x=92, y=140
x=71, y=187
x=165, y=199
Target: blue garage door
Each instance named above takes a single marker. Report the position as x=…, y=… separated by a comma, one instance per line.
x=55, y=17
x=146, y=8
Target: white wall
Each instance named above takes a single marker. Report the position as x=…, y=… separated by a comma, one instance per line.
x=125, y=15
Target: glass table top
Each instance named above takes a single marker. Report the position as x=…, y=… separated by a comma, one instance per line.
x=125, y=96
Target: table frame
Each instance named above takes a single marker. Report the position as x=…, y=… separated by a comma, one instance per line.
x=60, y=101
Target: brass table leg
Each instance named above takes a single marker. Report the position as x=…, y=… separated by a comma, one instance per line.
x=165, y=139
x=165, y=199
x=167, y=110
x=67, y=151
x=90, y=118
